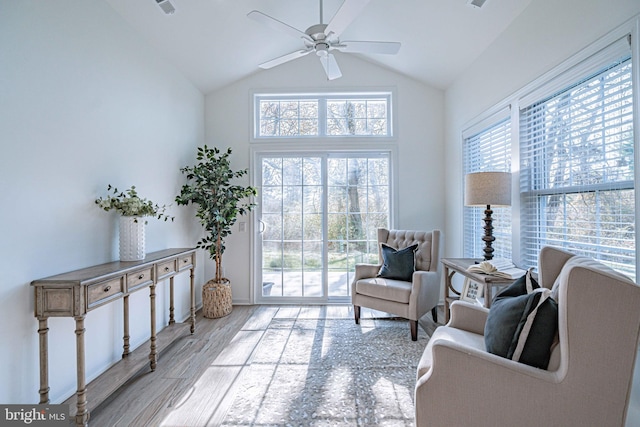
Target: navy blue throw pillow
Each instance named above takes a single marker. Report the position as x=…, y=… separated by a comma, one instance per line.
x=522, y=323
x=398, y=264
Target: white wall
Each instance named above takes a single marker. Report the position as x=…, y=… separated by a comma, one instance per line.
x=419, y=116
x=547, y=33
x=83, y=103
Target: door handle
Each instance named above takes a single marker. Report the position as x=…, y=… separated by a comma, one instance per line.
x=262, y=226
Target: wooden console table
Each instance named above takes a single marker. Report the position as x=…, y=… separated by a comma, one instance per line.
x=76, y=293
x=460, y=265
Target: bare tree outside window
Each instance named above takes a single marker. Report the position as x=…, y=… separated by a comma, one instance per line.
x=293, y=195
x=323, y=116
x=578, y=170
x=357, y=117
x=289, y=117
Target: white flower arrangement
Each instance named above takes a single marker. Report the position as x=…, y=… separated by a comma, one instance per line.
x=128, y=203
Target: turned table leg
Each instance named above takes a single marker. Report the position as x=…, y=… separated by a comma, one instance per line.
x=82, y=416
x=153, y=354
x=43, y=329
x=172, y=319
x=125, y=306
x=193, y=300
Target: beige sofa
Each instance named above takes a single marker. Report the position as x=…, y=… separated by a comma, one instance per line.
x=408, y=299
x=589, y=377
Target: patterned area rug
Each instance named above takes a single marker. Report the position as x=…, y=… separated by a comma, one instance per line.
x=330, y=372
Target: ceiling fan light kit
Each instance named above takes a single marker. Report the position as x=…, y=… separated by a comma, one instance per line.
x=324, y=38
x=322, y=49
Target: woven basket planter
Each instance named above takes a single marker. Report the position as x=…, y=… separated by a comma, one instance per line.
x=216, y=299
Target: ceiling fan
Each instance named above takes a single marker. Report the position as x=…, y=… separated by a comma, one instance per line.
x=323, y=38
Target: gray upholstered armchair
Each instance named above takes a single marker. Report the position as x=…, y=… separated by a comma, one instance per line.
x=589, y=375
x=411, y=298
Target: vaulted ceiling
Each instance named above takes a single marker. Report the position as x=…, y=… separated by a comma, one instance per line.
x=213, y=43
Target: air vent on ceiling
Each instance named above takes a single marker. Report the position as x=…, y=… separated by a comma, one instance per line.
x=476, y=3
x=166, y=6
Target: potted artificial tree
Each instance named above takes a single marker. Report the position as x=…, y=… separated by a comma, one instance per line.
x=219, y=202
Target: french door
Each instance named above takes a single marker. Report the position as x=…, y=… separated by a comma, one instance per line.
x=318, y=216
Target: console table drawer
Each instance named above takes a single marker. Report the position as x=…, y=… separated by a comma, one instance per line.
x=139, y=279
x=165, y=269
x=103, y=292
x=186, y=261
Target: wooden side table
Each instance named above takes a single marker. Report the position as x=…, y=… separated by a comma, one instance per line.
x=460, y=265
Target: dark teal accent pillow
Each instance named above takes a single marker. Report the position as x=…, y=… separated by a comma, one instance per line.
x=507, y=325
x=398, y=264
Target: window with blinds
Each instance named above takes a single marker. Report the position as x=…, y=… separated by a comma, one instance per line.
x=487, y=151
x=577, y=167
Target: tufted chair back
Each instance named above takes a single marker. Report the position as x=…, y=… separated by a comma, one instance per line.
x=427, y=241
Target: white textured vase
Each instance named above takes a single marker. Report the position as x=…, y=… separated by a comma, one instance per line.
x=132, y=238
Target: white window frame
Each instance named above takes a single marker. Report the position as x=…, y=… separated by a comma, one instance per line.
x=332, y=146
x=570, y=69
x=494, y=158
x=322, y=98
x=557, y=100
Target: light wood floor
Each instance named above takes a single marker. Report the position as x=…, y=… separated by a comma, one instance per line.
x=186, y=370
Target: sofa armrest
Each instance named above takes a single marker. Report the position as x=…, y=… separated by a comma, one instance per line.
x=425, y=293
x=468, y=317
x=365, y=271
x=450, y=393
x=425, y=277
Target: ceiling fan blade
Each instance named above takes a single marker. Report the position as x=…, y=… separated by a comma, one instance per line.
x=344, y=16
x=331, y=67
x=389, y=48
x=285, y=58
x=277, y=25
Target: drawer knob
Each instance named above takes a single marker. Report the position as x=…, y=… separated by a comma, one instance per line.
x=107, y=288
x=140, y=277
x=166, y=269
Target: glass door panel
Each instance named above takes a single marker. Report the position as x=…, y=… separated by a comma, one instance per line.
x=292, y=261
x=319, y=216
x=355, y=194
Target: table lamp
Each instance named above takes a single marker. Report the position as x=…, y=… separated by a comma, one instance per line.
x=488, y=189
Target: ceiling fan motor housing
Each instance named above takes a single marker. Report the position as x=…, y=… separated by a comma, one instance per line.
x=321, y=44
x=316, y=32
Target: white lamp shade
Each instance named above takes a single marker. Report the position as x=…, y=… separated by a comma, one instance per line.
x=488, y=188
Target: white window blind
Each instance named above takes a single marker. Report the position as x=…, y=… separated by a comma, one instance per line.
x=488, y=150
x=577, y=167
